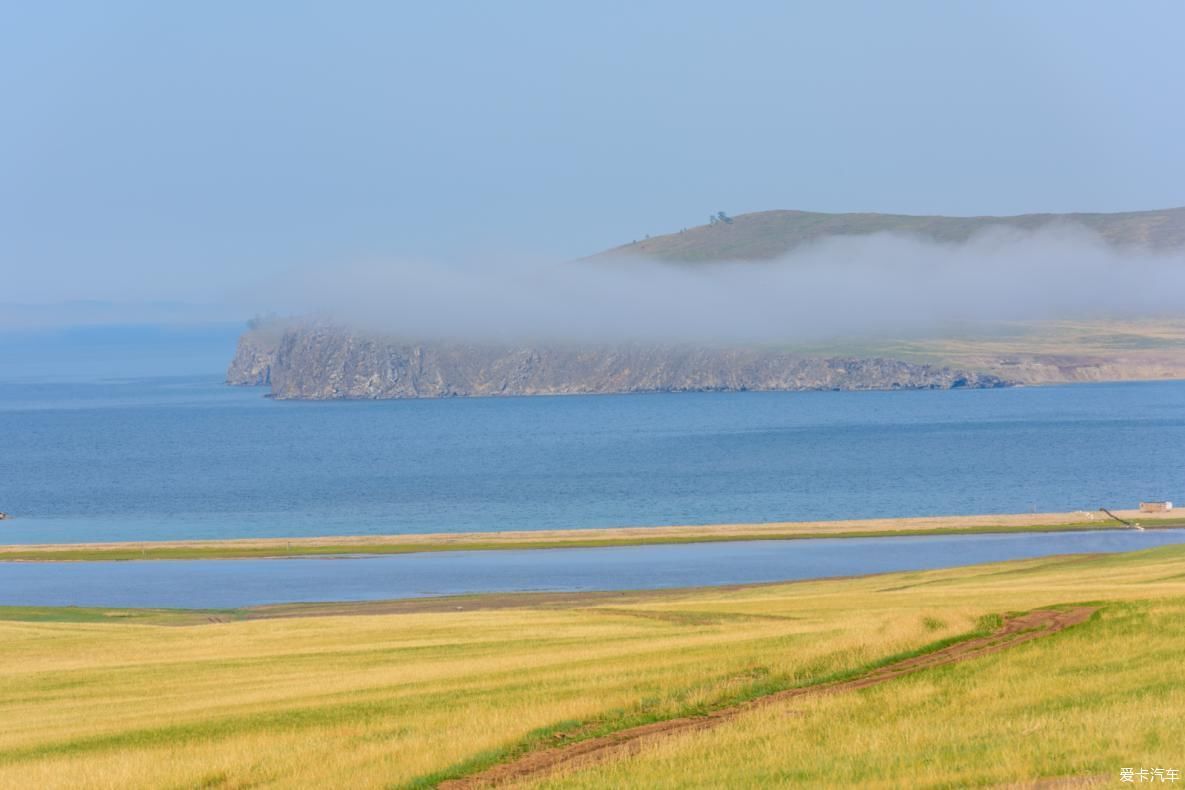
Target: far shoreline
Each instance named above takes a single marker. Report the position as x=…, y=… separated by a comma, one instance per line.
x=278, y=548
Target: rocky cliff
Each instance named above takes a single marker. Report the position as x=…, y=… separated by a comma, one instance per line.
x=320, y=363
x=252, y=363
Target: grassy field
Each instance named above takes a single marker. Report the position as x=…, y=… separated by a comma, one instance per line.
x=1038, y=352
x=1097, y=337
x=185, y=699
x=581, y=538
x=1080, y=705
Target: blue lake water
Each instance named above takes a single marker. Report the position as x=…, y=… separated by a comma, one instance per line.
x=187, y=457
x=233, y=583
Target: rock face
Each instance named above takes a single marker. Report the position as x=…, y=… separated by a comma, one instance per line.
x=319, y=363
x=252, y=363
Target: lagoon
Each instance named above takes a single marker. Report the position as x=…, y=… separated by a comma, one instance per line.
x=238, y=583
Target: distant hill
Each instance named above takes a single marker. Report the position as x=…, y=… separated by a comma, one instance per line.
x=301, y=359
x=768, y=234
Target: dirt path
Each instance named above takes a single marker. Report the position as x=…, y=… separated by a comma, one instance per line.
x=532, y=765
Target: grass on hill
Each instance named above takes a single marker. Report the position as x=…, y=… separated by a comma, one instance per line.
x=1079, y=706
x=764, y=235
x=409, y=699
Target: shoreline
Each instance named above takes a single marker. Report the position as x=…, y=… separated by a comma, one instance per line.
x=278, y=548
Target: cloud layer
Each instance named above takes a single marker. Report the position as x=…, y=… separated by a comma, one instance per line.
x=846, y=286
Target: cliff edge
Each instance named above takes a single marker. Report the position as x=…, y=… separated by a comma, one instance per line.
x=323, y=363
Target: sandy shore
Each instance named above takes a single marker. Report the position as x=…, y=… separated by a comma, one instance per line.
x=390, y=544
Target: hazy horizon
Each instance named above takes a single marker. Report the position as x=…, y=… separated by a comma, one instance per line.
x=858, y=286
x=202, y=155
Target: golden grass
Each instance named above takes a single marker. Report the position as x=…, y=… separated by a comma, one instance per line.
x=1038, y=352
x=386, y=700
x=1077, y=706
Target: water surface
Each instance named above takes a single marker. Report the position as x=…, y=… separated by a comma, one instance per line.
x=173, y=458
x=233, y=583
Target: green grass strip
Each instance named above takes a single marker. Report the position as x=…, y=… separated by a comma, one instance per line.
x=231, y=551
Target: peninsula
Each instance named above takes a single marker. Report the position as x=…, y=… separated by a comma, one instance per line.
x=315, y=360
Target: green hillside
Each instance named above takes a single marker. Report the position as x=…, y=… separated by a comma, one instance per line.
x=768, y=234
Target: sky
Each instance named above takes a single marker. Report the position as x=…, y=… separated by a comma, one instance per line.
x=205, y=152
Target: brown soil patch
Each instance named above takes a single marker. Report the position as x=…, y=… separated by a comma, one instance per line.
x=1015, y=631
x=457, y=603
x=603, y=600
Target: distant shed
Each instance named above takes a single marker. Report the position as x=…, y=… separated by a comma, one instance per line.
x=1156, y=507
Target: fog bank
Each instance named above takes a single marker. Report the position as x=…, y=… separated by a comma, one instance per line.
x=866, y=285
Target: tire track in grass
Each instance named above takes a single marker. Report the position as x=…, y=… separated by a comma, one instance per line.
x=532, y=765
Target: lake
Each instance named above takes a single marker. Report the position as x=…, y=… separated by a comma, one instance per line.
x=187, y=457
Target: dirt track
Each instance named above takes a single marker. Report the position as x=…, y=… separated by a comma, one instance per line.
x=1016, y=630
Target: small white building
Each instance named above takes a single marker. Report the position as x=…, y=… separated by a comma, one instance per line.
x=1156, y=507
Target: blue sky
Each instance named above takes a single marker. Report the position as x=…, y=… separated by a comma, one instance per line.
x=199, y=151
